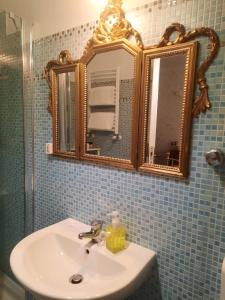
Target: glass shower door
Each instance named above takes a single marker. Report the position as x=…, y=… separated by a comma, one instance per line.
x=12, y=141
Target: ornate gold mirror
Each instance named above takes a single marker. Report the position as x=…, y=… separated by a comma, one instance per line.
x=63, y=79
x=126, y=105
x=167, y=108
x=110, y=83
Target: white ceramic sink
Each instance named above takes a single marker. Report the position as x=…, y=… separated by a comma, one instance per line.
x=45, y=261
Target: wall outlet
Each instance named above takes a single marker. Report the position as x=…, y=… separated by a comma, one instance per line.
x=49, y=148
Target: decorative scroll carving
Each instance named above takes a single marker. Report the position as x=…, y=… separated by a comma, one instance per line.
x=202, y=102
x=113, y=26
x=65, y=58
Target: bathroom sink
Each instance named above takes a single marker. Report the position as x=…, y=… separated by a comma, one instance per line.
x=46, y=261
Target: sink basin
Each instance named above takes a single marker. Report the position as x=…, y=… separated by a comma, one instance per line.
x=45, y=262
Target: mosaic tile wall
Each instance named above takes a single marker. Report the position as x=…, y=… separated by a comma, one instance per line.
x=183, y=221
x=11, y=144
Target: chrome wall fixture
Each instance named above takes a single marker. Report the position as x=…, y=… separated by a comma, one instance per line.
x=214, y=157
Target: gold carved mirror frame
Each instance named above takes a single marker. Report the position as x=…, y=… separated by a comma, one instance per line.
x=202, y=102
x=63, y=64
x=108, y=37
x=136, y=54
x=118, y=34
x=190, y=50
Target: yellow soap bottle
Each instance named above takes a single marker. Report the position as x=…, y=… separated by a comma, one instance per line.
x=115, y=234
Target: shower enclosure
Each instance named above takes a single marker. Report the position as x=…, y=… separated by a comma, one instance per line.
x=16, y=131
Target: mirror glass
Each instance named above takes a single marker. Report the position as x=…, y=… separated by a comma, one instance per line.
x=66, y=111
x=110, y=92
x=166, y=91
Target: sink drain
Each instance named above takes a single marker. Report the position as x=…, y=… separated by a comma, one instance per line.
x=76, y=279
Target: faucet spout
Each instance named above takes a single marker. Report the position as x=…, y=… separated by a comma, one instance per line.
x=90, y=234
x=96, y=228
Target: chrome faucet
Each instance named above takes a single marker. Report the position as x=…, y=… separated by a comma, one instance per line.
x=94, y=233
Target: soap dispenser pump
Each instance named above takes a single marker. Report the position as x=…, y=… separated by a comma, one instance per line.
x=115, y=234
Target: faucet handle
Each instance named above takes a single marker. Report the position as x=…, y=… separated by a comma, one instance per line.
x=97, y=224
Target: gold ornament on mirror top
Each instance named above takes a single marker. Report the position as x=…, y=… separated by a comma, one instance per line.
x=202, y=102
x=113, y=26
x=65, y=58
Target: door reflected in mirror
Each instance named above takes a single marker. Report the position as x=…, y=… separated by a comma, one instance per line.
x=66, y=111
x=109, y=104
x=166, y=88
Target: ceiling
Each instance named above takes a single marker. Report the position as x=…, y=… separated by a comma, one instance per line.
x=51, y=16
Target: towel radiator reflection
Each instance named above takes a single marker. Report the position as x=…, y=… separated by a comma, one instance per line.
x=103, y=106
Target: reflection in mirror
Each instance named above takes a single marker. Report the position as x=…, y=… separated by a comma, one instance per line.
x=109, y=105
x=66, y=111
x=166, y=88
x=166, y=110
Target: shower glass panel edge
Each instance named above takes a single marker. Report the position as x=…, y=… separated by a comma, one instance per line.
x=28, y=92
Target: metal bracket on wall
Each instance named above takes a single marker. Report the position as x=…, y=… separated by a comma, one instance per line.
x=215, y=157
